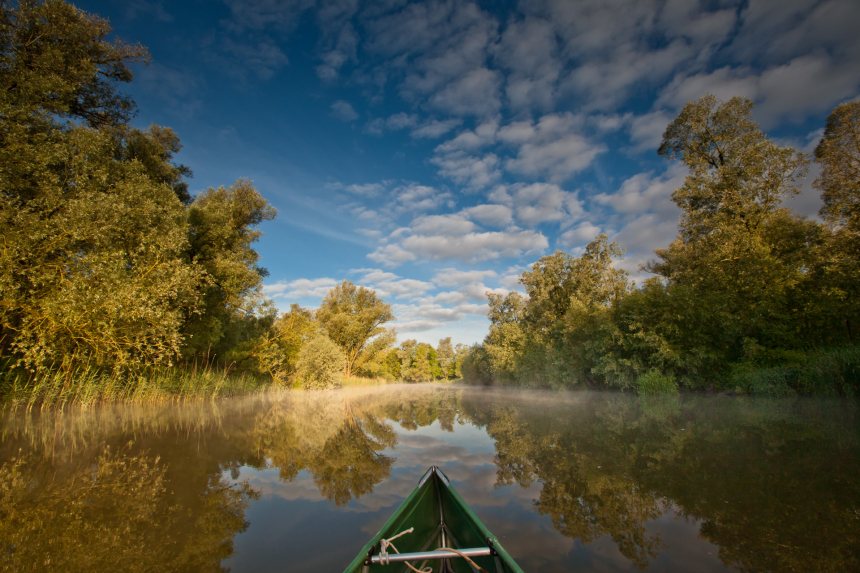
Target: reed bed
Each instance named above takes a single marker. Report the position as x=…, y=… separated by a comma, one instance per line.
x=87, y=385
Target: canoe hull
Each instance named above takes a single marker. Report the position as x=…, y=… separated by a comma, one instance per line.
x=439, y=518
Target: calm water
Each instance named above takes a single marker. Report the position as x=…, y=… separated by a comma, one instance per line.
x=568, y=482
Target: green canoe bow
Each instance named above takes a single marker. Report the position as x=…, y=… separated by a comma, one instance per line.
x=439, y=518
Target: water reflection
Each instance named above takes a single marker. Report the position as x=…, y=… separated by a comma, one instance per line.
x=337, y=444
x=114, y=513
x=568, y=481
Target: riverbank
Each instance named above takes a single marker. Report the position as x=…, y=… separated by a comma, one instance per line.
x=90, y=386
x=19, y=388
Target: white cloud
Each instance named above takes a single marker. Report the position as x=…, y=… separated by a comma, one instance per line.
x=528, y=50
x=470, y=247
x=435, y=128
x=454, y=277
x=539, y=203
x=415, y=198
x=442, y=225
x=344, y=111
x=361, y=189
x=474, y=93
x=646, y=192
x=442, y=50
x=297, y=289
x=724, y=83
x=471, y=171
x=646, y=131
x=387, y=284
x=489, y=214
x=555, y=147
x=474, y=247
x=608, y=47
x=580, y=235
x=419, y=128
x=391, y=255
x=794, y=90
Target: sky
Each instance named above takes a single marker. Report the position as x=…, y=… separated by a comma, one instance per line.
x=434, y=150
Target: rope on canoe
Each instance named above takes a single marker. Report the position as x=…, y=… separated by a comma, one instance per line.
x=467, y=558
x=384, y=544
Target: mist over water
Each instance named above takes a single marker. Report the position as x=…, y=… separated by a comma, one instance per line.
x=567, y=481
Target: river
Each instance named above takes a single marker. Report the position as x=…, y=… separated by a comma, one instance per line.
x=298, y=481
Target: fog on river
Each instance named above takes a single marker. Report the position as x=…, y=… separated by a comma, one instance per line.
x=567, y=481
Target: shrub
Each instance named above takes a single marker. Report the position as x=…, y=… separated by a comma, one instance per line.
x=319, y=363
x=655, y=382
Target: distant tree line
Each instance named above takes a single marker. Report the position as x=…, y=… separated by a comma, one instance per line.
x=749, y=297
x=108, y=264
x=345, y=337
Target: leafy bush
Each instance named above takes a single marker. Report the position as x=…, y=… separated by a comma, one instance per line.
x=775, y=381
x=319, y=363
x=655, y=382
x=834, y=371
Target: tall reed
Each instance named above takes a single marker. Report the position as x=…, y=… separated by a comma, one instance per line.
x=88, y=385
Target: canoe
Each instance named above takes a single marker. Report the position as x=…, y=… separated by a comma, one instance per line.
x=433, y=530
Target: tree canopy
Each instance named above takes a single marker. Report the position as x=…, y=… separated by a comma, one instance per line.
x=353, y=317
x=747, y=287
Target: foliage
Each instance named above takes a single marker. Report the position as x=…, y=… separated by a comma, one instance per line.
x=109, y=514
x=105, y=267
x=352, y=316
x=319, y=363
x=743, y=294
x=221, y=232
x=839, y=267
x=277, y=351
x=419, y=362
x=655, y=382
x=553, y=336
x=839, y=155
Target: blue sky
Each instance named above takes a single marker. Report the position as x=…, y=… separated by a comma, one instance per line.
x=434, y=150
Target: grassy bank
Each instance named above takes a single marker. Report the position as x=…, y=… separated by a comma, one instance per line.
x=89, y=386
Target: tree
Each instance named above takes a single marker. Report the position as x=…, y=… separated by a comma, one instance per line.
x=353, y=316
x=57, y=63
x=319, y=362
x=445, y=356
x=740, y=257
x=278, y=350
x=839, y=259
x=92, y=267
x=221, y=233
x=839, y=156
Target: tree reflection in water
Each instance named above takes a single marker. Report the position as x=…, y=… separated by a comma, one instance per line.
x=772, y=483
x=115, y=514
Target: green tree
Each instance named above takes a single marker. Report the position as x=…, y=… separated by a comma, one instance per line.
x=57, y=63
x=839, y=156
x=222, y=229
x=445, y=356
x=505, y=342
x=740, y=257
x=567, y=318
x=277, y=351
x=92, y=266
x=319, y=362
x=838, y=153
x=353, y=317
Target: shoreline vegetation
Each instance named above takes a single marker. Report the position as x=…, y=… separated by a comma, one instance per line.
x=116, y=284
